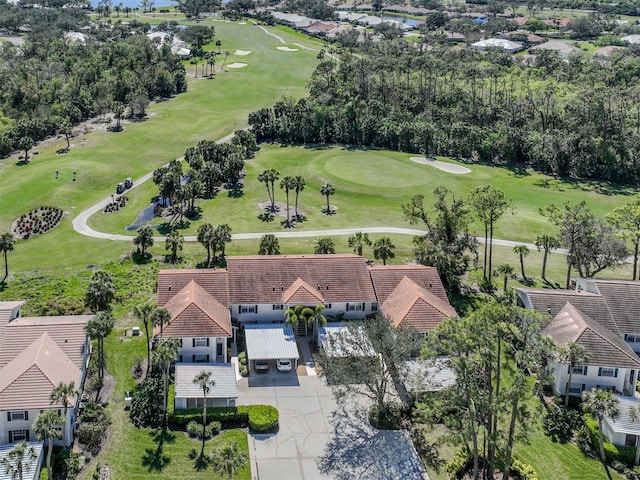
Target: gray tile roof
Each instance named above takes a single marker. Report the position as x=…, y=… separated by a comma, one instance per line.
x=625, y=422
x=222, y=373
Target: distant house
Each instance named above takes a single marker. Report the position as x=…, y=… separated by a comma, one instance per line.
x=498, y=43
x=178, y=47
x=562, y=49
x=609, y=51
x=604, y=317
x=36, y=354
x=631, y=39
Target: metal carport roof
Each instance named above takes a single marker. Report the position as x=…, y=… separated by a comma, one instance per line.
x=223, y=374
x=270, y=342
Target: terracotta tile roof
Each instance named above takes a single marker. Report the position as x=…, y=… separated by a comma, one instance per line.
x=414, y=305
x=66, y=331
x=623, y=299
x=386, y=278
x=552, y=301
x=214, y=282
x=300, y=292
x=261, y=278
x=605, y=348
x=27, y=380
x=195, y=313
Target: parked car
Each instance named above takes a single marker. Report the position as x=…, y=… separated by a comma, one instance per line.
x=284, y=365
x=261, y=366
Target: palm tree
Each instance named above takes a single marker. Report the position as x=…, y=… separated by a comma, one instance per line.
x=327, y=190
x=143, y=240
x=573, y=354
x=144, y=311
x=61, y=394
x=163, y=355
x=269, y=245
x=600, y=404
x=522, y=251
x=269, y=177
x=383, y=249
x=287, y=183
x=325, y=246
x=218, y=44
x=47, y=427
x=293, y=315
x=18, y=460
x=222, y=236
x=205, y=382
x=100, y=292
x=206, y=238
x=98, y=328
x=228, y=459
x=174, y=243
x=160, y=317
x=547, y=243
x=358, y=241
x=314, y=316
x=298, y=185
x=506, y=270
x=6, y=245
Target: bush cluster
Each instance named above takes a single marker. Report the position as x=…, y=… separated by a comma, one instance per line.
x=194, y=429
x=560, y=422
x=461, y=461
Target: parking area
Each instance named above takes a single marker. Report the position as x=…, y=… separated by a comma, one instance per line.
x=318, y=439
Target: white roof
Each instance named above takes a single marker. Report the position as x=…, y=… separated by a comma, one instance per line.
x=30, y=470
x=625, y=423
x=631, y=39
x=430, y=376
x=498, y=43
x=556, y=45
x=222, y=373
x=289, y=17
x=334, y=338
x=270, y=342
x=75, y=37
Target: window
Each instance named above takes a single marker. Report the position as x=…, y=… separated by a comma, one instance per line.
x=278, y=306
x=576, y=388
x=630, y=440
x=607, y=372
x=248, y=309
x=219, y=349
x=374, y=307
x=200, y=358
x=200, y=342
x=327, y=306
x=579, y=370
x=355, y=306
x=630, y=338
x=18, y=415
x=18, y=436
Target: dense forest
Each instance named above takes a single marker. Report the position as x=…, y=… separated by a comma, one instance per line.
x=50, y=83
x=578, y=118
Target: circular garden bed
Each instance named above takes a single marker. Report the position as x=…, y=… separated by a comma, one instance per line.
x=116, y=205
x=37, y=221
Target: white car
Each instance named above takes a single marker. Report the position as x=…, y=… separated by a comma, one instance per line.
x=284, y=365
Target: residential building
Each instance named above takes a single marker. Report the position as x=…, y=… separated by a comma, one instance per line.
x=602, y=317
x=36, y=355
x=498, y=43
x=563, y=49
x=624, y=430
x=30, y=465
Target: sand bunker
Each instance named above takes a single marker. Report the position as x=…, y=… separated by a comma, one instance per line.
x=287, y=49
x=242, y=23
x=444, y=166
x=237, y=65
x=242, y=53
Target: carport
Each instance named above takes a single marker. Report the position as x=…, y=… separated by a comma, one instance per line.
x=271, y=342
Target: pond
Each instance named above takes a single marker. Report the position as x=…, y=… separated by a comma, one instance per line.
x=143, y=218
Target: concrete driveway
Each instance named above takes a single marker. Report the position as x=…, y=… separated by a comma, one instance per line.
x=319, y=439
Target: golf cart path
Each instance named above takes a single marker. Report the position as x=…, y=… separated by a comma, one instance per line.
x=80, y=225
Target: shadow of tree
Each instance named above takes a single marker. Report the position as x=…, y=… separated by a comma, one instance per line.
x=156, y=460
x=266, y=217
x=200, y=460
x=236, y=192
x=140, y=259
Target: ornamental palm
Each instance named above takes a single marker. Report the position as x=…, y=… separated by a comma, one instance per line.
x=174, y=243
x=98, y=328
x=228, y=459
x=573, y=354
x=547, y=243
x=18, y=460
x=222, y=236
x=144, y=311
x=298, y=185
x=288, y=184
x=100, y=292
x=358, y=241
x=205, y=382
x=160, y=317
x=6, y=246
x=47, y=427
x=163, y=355
x=327, y=190
x=206, y=238
x=143, y=240
x=61, y=394
x=522, y=251
x=383, y=249
x=269, y=245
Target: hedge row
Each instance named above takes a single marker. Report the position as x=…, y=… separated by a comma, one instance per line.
x=259, y=418
x=614, y=453
x=461, y=461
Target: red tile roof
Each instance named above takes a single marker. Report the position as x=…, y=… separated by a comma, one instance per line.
x=413, y=305
x=213, y=281
x=300, y=292
x=195, y=313
x=386, y=278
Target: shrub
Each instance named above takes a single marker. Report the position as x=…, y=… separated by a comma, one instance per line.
x=244, y=371
x=560, y=422
x=390, y=419
x=524, y=470
x=458, y=464
x=242, y=358
x=194, y=429
x=262, y=418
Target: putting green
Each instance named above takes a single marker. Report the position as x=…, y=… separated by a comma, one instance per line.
x=376, y=171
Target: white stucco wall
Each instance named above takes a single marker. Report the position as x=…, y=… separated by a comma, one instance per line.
x=590, y=380
x=187, y=350
x=6, y=425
